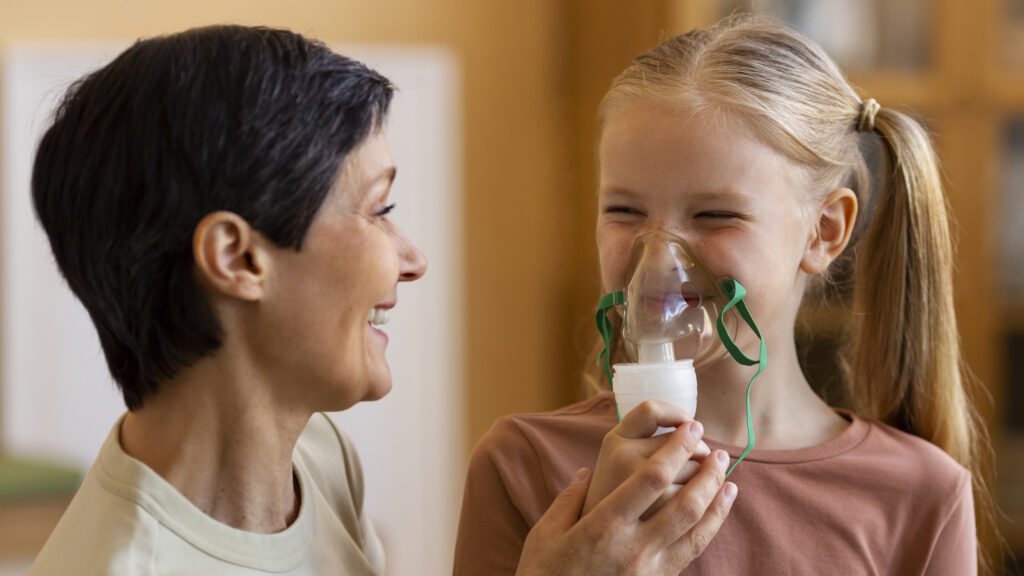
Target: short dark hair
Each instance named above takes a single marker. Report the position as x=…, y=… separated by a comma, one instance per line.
x=255, y=121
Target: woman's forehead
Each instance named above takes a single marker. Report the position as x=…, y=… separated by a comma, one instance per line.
x=368, y=165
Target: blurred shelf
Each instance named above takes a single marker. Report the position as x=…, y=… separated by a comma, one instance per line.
x=1013, y=319
x=33, y=496
x=25, y=526
x=1011, y=489
x=1006, y=90
x=903, y=89
x=24, y=479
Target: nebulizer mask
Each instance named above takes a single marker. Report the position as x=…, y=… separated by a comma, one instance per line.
x=675, y=316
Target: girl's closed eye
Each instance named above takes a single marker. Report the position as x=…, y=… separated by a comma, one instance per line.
x=385, y=210
x=628, y=210
x=717, y=215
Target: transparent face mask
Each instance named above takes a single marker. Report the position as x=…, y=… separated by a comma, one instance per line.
x=672, y=303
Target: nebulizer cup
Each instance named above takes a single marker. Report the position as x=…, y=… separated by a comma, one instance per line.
x=670, y=309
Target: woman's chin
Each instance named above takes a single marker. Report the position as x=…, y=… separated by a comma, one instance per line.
x=377, y=392
x=340, y=400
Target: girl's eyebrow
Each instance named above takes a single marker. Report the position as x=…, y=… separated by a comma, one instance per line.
x=618, y=192
x=723, y=194
x=716, y=195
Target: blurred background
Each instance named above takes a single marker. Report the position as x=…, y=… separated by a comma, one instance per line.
x=526, y=78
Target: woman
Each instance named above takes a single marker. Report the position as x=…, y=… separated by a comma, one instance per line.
x=218, y=201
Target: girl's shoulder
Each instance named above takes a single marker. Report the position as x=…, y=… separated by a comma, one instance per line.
x=525, y=460
x=867, y=453
x=910, y=456
x=578, y=423
x=556, y=442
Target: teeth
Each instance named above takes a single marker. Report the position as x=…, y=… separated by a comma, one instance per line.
x=379, y=316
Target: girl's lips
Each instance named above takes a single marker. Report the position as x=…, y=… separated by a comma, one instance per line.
x=673, y=301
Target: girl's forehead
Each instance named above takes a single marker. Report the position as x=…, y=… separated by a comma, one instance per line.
x=651, y=147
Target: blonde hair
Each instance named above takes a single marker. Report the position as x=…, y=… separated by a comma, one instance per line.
x=903, y=364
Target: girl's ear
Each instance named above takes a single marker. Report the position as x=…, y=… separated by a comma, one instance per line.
x=831, y=231
x=230, y=257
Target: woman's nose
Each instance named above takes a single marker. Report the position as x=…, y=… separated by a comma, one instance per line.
x=413, y=262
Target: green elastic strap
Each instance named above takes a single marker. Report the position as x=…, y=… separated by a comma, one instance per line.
x=736, y=292
x=604, y=326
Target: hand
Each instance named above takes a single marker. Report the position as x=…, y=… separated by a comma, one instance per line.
x=616, y=537
x=627, y=446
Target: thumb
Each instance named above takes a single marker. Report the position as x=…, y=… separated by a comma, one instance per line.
x=564, y=512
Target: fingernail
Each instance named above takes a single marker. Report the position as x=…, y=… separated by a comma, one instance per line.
x=696, y=430
x=729, y=492
x=581, y=475
x=722, y=457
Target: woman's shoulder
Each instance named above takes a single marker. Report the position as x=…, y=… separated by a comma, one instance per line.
x=324, y=441
x=326, y=461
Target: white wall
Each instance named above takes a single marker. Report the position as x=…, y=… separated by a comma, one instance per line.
x=58, y=401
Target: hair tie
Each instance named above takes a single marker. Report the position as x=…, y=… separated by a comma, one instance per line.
x=868, y=109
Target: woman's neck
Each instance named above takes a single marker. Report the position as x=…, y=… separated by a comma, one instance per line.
x=218, y=436
x=785, y=411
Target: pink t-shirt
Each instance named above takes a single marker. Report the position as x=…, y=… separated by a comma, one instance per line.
x=874, y=500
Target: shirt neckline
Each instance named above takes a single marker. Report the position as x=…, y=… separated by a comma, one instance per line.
x=847, y=440
x=123, y=475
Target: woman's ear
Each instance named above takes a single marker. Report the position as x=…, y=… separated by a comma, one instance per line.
x=831, y=231
x=229, y=257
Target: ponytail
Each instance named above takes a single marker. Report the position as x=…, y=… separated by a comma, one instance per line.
x=903, y=362
x=904, y=358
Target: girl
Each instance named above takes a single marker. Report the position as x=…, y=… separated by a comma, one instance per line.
x=744, y=140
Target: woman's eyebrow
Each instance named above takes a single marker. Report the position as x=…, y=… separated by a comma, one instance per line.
x=388, y=174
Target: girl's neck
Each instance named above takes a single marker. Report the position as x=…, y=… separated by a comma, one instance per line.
x=786, y=412
x=219, y=437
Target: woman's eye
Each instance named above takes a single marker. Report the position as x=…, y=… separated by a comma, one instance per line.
x=385, y=210
x=716, y=215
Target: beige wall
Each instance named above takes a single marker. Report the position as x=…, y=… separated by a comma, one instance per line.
x=515, y=168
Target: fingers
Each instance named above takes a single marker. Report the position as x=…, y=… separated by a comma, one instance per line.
x=636, y=450
x=564, y=512
x=688, y=508
x=644, y=420
x=693, y=544
x=702, y=449
x=647, y=483
x=688, y=471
